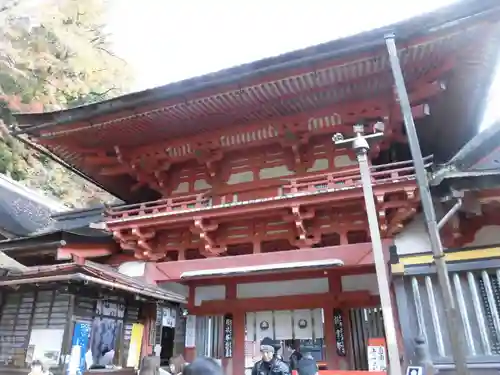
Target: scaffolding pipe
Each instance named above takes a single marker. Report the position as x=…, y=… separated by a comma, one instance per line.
x=453, y=321
x=450, y=213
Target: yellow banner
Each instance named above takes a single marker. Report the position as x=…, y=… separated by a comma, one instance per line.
x=134, y=351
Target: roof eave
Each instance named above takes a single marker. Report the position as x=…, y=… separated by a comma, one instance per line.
x=448, y=16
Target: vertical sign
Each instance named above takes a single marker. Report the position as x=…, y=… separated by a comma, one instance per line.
x=134, y=351
x=79, y=347
x=377, y=358
x=190, y=331
x=338, y=322
x=228, y=336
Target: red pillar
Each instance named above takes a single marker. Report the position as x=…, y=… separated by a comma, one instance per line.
x=235, y=365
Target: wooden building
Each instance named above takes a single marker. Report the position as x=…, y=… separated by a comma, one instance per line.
x=235, y=193
x=472, y=239
x=52, y=299
x=67, y=315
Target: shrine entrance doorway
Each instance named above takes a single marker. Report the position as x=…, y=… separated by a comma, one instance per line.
x=292, y=329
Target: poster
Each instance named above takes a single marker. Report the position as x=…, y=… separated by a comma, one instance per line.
x=134, y=351
x=228, y=336
x=190, y=331
x=79, y=347
x=169, y=317
x=47, y=345
x=377, y=357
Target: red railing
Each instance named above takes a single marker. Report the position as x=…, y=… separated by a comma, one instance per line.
x=318, y=183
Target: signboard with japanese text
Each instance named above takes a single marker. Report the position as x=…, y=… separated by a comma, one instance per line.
x=377, y=355
x=338, y=322
x=228, y=336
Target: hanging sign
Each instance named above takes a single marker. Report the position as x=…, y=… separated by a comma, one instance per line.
x=377, y=358
x=228, y=336
x=338, y=321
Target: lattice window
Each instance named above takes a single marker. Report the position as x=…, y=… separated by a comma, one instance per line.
x=494, y=335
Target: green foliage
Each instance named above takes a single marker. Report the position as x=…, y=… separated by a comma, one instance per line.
x=56, y=55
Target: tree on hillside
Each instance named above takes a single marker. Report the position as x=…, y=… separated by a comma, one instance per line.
x=57, y=56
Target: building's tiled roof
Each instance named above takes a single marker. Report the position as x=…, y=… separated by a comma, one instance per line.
x=89, y=272
x=23, y=211
x=476, y=165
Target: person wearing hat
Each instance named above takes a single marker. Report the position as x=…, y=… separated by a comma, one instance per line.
x=270, y=363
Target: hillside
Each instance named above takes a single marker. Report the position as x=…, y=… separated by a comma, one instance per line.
x=52, y=58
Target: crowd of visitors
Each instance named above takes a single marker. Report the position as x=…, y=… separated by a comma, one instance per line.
x=271, y=363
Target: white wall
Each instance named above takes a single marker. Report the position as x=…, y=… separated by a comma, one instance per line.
x=356, y=283
x=413, y=239
x=132, y=269
x=488, y=235
x=209, y=293
x=283, y=288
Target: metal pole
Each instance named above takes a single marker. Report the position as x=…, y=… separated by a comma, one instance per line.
x=361, y=147
x=454, y=323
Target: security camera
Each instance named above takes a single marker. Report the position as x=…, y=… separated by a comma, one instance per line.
x=338, y=137
x=378, y=127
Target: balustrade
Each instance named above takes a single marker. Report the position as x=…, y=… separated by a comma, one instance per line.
x=300, y=186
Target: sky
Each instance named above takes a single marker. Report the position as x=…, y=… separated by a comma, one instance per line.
x=169, y=40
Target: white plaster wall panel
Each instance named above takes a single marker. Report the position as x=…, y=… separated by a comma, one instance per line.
x=183, y=187
x=413, y=239
x=263, y=319
x=300, y=316
x=282, y=288
x=344, y=161
x=176, y=288
x=250, y=326
x=132, y=269
x=209, y=293
x=274, y=172
x=487, y=235
x=283, y=324
x=201, y=185
x=319, y=165
x=318, y=323
x=240, y=177
x=353, y=283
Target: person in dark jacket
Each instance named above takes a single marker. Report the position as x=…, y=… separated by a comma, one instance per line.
x=270, y=364
x=296, y=356
x=307, y=365
x=203, y=366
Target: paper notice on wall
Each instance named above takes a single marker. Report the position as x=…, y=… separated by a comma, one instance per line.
x=190, y=332
x=169, y=317
x=47, y=345
x=134, y=351
x=377, y=354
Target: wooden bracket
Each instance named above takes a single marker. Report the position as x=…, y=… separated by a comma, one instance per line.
x=205, y=231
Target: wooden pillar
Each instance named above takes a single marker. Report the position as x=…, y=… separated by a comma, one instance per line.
x=235, y=365
x=403, y=359
x=239, y=344
x=149, y=319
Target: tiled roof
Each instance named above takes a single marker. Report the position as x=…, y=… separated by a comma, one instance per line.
x=90, y=272
x=23, y=211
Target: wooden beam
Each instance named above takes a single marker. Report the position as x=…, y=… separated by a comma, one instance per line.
x=351, y=255
x=296, y=302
